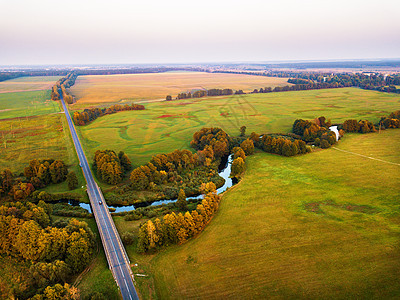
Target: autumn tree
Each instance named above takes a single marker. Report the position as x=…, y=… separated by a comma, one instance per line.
x=247, y=146
x=108, y=166
x=238, y=152
x=351, y=126
x=215, y=137
x=238, y=167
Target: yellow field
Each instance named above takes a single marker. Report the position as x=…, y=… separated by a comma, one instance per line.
x=119, y=88
x=25, y=84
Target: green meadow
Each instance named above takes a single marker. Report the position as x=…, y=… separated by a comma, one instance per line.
x=33, y=127
x=37, y=137
x=325, y=225
x=25, y=104
x=166, y=126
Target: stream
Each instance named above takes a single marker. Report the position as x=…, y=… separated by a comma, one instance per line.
x=224, y=171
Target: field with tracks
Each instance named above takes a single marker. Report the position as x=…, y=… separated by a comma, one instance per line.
x=318, y=226
x=166, y=126
x=32, y=126
x=97, y=89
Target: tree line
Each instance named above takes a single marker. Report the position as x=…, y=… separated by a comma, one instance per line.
x=305, y=85
x=361, y=126
x=202, y=93
x=90, y=114
x=392, y=121
x=316, y=131
x=318, y=80
x=37, y=175
x=55, y=251
x=133, y=70
x=165, y=174
x=61, y=86
x=365, y=126
x=177, y=228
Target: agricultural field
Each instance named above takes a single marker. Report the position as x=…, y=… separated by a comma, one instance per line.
x=25, y=84
x=317, y=226
x=33, y=127
x=25, y=104
x=98, y=89
x=24, y=139
x=27, y=96
x=166, y=126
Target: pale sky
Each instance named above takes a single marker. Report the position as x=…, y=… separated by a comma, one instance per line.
x=175, y=31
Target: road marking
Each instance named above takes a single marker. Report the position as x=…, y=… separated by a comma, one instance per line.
x=369, y=157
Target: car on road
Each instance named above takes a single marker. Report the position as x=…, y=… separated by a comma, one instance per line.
x=100, y=202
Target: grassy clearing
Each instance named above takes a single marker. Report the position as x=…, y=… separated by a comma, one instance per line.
x=97, y=89
x=265, y=243
x=24, y=139
x=31, y=128
x=23, y=104
x=166, y=126
x=33, y=83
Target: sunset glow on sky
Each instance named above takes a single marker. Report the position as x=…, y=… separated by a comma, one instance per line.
x=75, y=32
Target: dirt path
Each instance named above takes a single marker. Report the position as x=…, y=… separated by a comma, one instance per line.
x=381, y=160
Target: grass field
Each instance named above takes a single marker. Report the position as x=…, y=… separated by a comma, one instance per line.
x=23, y=104
x=24, y=84
x=27, y=96
x=40, y=137
x=166, y=126
x=268, y=241
x=24, y=139
x=33, y=127
x=97, y=89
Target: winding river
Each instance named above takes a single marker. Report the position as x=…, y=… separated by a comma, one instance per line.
x=224, y=171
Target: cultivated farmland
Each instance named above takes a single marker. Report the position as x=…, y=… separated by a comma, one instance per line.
x=97, y=89
x=24, y=84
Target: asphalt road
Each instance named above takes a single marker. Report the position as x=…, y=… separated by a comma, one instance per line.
x=117, y=258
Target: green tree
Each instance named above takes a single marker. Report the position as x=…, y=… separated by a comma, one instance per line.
x=243, y=131
x=143, y=239
x=128, y=238
x=125, y=161
x=181, y=203
x=72, y=180
x=325, y=144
